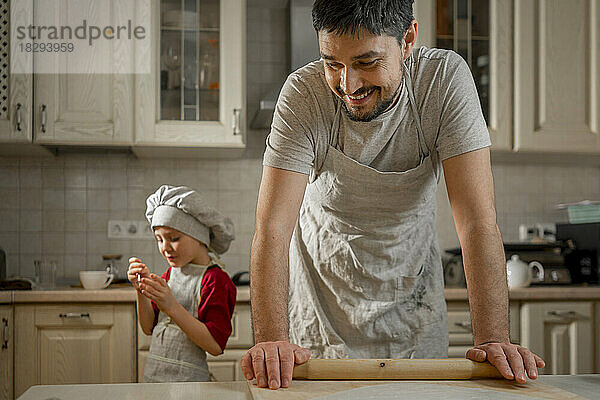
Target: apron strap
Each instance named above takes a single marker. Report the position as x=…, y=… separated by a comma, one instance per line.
x=321, y=150
x=421, y=136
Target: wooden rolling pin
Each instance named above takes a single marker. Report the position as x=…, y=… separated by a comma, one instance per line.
x=394, y=369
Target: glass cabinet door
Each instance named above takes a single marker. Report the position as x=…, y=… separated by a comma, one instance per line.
x=189, y=60
x=464, y=26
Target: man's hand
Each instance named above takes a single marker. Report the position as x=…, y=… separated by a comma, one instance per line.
x=157, y=290
x=511, y=360
x=273, y=363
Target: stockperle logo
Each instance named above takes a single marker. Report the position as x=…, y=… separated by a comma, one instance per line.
x=80, y=37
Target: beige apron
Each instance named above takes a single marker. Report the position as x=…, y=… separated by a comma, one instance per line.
x=173, y=356
x=366, y=276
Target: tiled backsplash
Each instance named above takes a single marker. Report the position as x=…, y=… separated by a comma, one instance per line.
x=59, y=208
x=526, y=194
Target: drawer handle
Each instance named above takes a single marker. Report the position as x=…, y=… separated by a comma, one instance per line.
x=19, y=117
x=44, y=118
x=74, y=315
x=464, y=325
x=5, y=334
x=562, y=314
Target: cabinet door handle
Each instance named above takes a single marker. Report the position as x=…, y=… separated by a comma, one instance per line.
x=465, y=325
x=19, y=117
x=562, y=314
x=236, y=121
x=74, y=315
x=5, y=334
x=44, y=118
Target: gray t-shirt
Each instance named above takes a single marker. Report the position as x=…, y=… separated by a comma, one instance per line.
x=446, y=98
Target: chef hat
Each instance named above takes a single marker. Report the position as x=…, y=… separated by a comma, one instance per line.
x=184, y=209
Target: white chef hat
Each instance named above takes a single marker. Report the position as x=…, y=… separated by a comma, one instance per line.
x=184, y=209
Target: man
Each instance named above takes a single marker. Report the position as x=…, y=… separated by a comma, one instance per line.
x=348, y=195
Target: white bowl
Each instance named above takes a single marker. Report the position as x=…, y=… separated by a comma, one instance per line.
x=95, y=279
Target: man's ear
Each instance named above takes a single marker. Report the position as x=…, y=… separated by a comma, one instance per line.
x=410, y=39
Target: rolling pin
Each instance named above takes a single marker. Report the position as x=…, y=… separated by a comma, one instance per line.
x=394, y=369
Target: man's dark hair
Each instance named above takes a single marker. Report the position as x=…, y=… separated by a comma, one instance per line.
x=389, y=17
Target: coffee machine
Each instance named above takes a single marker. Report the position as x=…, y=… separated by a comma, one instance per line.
x=583, y=260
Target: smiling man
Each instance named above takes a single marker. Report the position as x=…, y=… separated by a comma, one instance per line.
x=345, y=258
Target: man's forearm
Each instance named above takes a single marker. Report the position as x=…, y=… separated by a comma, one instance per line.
x=485, y=269
x=269, y=282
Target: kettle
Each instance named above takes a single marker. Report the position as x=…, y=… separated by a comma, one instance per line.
x=520, y=274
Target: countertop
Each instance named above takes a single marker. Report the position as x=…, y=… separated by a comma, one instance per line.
x=563, y=293
x=127, y=294
x=546, y=387
x=79, y=295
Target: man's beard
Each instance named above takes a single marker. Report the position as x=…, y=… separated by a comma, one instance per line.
x=380, y=107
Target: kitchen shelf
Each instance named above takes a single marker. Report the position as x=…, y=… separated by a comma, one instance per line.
x=188, y=29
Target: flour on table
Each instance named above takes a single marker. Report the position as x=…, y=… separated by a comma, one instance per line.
x=419, y=391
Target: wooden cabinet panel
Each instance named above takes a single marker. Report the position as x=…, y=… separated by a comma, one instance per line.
x=15, y=89
x=561, y=333
x=142, y=355
x=500, y=60
x=71, y=355
x=223, y=371
x=6, y=352
x=241, y=335
x=557, y=90
x=70, y=344
x=85, y=108
x=156, y=137
x=227, y=366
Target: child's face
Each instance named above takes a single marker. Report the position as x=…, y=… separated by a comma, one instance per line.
x=177, y=248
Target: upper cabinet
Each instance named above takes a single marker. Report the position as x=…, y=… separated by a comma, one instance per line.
x=194, y=97
x=15, y=89
x=536, y=65
x=84, y=100
x=53, y=89
x=480, y=31
x=557, y=75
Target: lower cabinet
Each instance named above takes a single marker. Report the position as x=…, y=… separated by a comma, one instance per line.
x=73, y=344
x=225, y=367
x=6, y=353
x=460, y=329
x=562, y=334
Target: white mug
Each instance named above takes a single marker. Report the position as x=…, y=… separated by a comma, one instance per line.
x=520, y=274
x=95, y=279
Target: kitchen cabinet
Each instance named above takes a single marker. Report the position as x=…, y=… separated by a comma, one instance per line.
x=79, y=105
x=480, y=31
x=6, y=352
x=561, y=333
x=460, y=329
x=225, y=367
x=74, y=343
x=556, y=78
x=73, y=107
x=193, y=101
x=538, y=82
x=596, y=336
x=15, y=89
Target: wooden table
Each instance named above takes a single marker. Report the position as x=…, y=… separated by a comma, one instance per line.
x=550, y=387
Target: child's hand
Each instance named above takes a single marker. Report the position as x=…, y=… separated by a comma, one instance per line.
x=136, y=271
x=157, y=290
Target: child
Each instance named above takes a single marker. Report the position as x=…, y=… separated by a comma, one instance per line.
x=187, y=311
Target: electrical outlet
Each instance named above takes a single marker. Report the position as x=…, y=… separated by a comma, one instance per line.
x=118, y=229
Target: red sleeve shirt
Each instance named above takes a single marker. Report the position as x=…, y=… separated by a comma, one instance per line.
x=217, y=301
